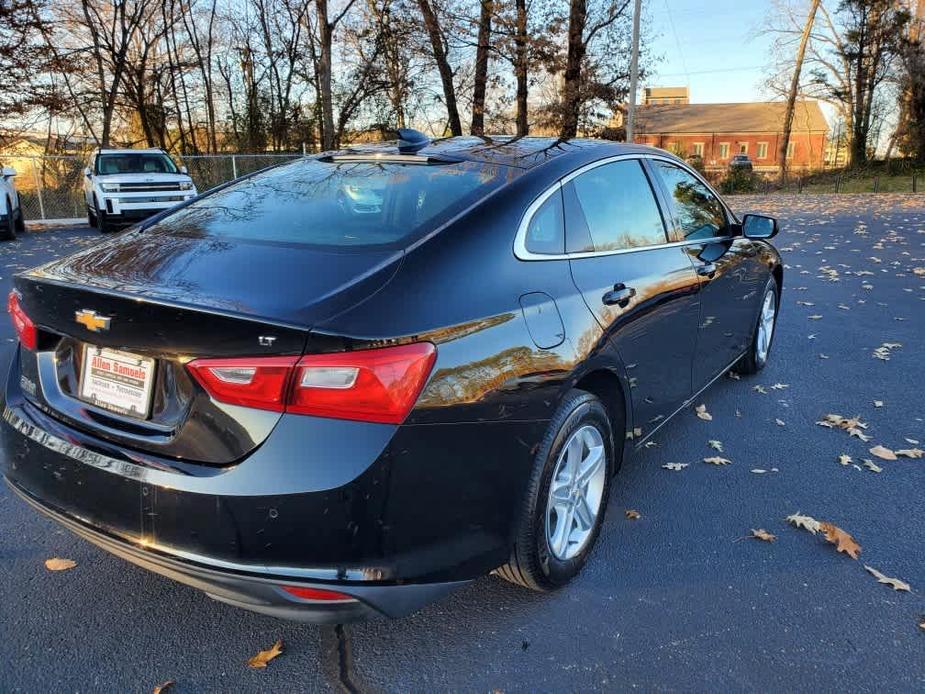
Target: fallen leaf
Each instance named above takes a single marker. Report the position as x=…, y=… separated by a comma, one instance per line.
x=780, y=386
x=161, y=688
x=263, y=657
x=762, y=534
x=878, y=403
x=872, y=466
x=675, y=466
x=883, y=452
x=845, y=459
x=716, y=445
x=701, y=411
x=894, y=582
x=843, y=541
x=805, y=522
x=631, y=514
x=780, y=422
x=716, y=460
x=58, y=564
x=734, y=376
x=910, y=452
x=760, y=389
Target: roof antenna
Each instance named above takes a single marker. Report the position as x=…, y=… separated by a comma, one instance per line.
x=411, y=140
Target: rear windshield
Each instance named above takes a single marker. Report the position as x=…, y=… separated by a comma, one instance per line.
x=134, y=162
x=342, y=204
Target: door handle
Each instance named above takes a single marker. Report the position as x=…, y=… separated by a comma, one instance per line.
x=706, y=270
x=620, y=295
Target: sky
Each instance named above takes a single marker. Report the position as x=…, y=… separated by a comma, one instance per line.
x=712, y=46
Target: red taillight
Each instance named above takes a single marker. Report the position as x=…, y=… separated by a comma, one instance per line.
x=260, y=382
x=317, y=594
x=25, y=328
x=373, y=385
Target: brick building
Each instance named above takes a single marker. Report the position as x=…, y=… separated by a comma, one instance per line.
x=717, y=132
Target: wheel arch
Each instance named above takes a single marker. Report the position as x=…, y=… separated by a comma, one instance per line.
x=604, y=383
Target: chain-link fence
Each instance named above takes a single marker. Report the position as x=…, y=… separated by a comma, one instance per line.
x=51, y=187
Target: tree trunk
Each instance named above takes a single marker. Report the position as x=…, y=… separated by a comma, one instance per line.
x=571, y=97
x=443, y=66
x=794, y=86
x=521, y=56
x=480, y=79
x=325, y=31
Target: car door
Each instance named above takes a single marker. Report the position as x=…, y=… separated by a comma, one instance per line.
x=641, y=289
x=725, y=264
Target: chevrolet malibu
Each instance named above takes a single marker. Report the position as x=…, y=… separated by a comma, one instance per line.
x=327, y=413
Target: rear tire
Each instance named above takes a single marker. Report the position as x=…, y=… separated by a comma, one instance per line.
x=759, y=350
x=545, y=556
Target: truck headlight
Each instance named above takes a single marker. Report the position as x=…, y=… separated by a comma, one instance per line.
x=110, y=187
x=186, y=185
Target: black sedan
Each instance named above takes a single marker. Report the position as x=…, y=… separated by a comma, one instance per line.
x=329, y=411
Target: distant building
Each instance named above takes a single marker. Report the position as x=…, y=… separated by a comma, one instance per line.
x=717, y=132
x=666, y=95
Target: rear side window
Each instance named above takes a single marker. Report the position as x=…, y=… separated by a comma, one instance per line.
x=615, y=207
x=700, y=213
x=545, y=233
x=355, y=204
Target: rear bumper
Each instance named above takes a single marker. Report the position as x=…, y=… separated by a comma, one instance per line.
x=258, y=593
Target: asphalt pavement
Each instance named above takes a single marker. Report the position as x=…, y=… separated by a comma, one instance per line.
x=678, y=599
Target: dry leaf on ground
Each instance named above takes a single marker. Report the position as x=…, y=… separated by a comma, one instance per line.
x=701, y=411
x=845, y=459
x=58, y=564
x=716, y=460
x=162, y=688
x=805, y=522
x=716, y=445
x=631, y=514
x=762, y=534
x=263, y=657
x=894, y=582
x=910, y=452
x=843, y=541
x=883, y=452
x=872, y=466
x=675, y=466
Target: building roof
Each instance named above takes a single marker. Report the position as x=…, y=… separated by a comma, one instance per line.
x=764, y=117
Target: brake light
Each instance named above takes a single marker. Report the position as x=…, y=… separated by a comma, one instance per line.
x=25, y=328
x=317, y=594
x=259, y=383
x=373, y=385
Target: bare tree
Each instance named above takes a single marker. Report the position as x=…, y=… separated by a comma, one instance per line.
x=794, y=87
x=480, y=84
x=438, y=44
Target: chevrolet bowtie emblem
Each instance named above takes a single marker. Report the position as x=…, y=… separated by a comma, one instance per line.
x=92, y=321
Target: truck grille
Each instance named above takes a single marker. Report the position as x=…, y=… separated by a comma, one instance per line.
x=147, y=187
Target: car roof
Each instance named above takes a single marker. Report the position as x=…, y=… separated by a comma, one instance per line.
x=130, y=150
x=508, y=150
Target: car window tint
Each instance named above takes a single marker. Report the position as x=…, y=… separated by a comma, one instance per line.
x=134, y=163
x=545, y=232
x=618, y=206
x=355, y=204
x=700, y=213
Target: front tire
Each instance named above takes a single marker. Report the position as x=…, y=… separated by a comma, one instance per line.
x=763, y=336
x=566, y=496
x=20, y=217
x=8, y=229
x=103, y=225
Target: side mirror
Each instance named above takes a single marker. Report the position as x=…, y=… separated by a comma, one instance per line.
x=87, y=172
x=757, y=226
x=8, y=172
x=183, y=170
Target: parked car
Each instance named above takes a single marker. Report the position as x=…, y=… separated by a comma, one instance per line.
x=326, y=416
x=11, y=216
x=741, y=162
x=122, y=186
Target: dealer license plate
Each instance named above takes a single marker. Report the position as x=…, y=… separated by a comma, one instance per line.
x=117, y=381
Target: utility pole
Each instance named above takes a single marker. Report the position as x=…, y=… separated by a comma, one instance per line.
x=634, y=75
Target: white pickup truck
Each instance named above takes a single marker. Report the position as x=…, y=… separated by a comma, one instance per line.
x=122, y=186
x=11, y=219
